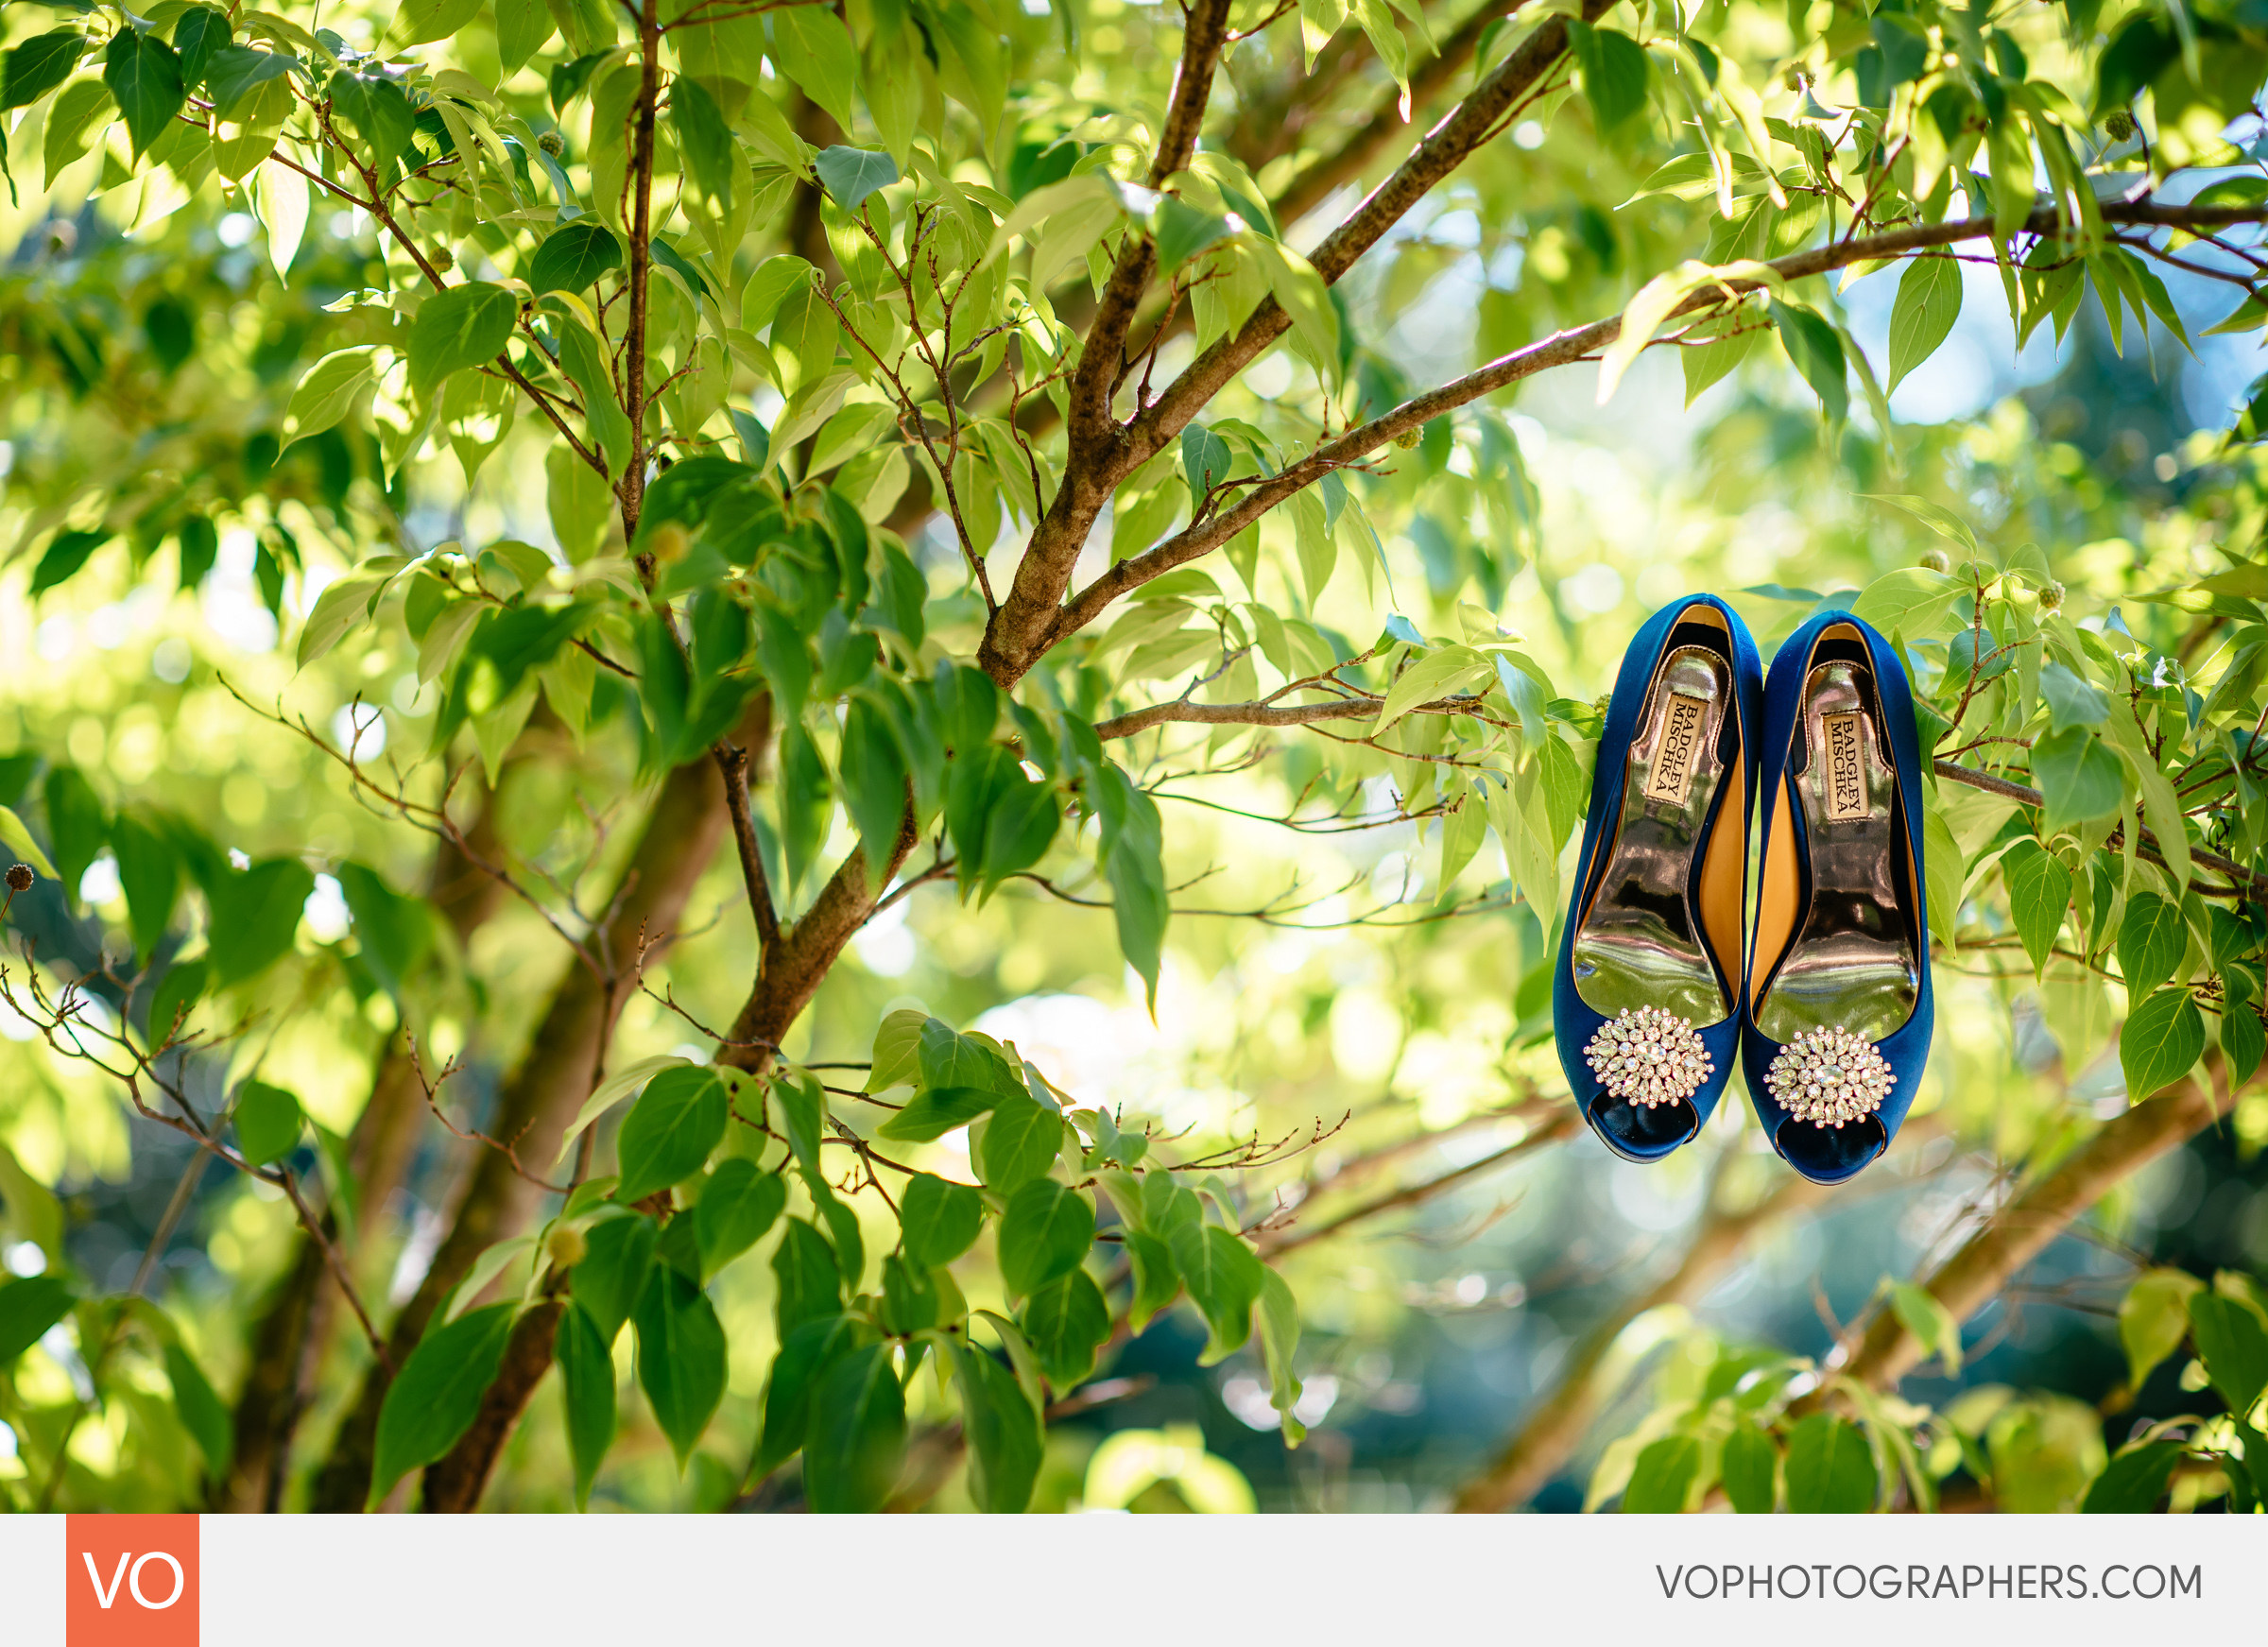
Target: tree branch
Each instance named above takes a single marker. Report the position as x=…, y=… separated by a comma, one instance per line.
x=1560, y=348
x=632, y=488
x=1559, y=1125
x=1321, y=178
x=1886, y=1350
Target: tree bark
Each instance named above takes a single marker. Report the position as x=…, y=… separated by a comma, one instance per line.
x=1887, y=1349
x=561, y=1066
x=292, y=1334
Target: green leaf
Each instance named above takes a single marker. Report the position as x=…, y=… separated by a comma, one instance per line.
x=935, y=1113
x=1939, y=519
x=2079, y=777
x=378, y=110
x=177, y=991
x=1006, y=1439
x=203, y=1412
x=1830, y=1467
x=807, y=1283
x=435, y=1397
x=2073, y=701
x=1435, y=675
x=522, y=27
x=608, y=1282
x=813, y=51
x=28, y=1309
x=151, y=871
x=2154, y=1318
x=574, y=256
x=77, y=825
x=682, y=1357
x=1156, y=1279
x=233, y=71
x=1021, y=1142
x=1066, y=1322
x=738, y=1205
x=255, y=914
x=1045, y=1234
x=2152, y=937
x=21, y=846
x=328, y=392
x=1930, y=1323
x=1206, y=461
x=145, y=75
x=587, y=1375
x=850, y=175
x=1817, y=350
x=806, y=1355
x=269, y=1121
x=1912, y=599
x=912, y=1300
x=1223, y=1278
x=937, y=1219
x=667, y=1136
x=1750, y=1468
x=420, y=21
x=2161, y=1042
x=1182, y=230
x=462, y=326
x=1132, y=858
x=394, y=932
x=1280, y=1346
x=2132, y=1483
x=66, y=553
x=856, y=1444
x=2244, y=1040
x=874, y=775
x=36, y=67
x=1929, y=302
x=2234, y=1346
x=703, y=139
x=897, y=1055
x=1615, y=73
x=1662, y=1475
x=2039, y=893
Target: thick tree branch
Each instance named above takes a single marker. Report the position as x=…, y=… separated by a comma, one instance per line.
x=536, y=1103
x=1560, y=348
x=1887, y=1349
x=1322, y=177
x=1029, y=621
x=630, y=489
x=1204, y=34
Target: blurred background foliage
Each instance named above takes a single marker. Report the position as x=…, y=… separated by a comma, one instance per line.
x=1458, y=1250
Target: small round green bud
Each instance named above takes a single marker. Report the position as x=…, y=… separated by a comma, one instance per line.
x=668, y=543
x=19, y=877
x=1936, y=560
x=552, y=143
x=567, y=1247
x=2119, y=124
x=443, y=258
x=2050, y=598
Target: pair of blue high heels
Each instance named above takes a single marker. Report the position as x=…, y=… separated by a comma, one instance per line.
x=1667, y=966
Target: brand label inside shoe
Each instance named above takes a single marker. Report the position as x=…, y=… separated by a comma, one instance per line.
x=1676, y=750
x=1846, y=771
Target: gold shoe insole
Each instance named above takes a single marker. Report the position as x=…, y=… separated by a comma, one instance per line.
x=1637, y=945
x=1853, y=964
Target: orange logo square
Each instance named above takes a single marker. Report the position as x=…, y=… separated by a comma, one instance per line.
x=131, y=1581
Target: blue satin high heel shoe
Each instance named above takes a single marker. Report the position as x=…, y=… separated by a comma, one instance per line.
x=1839, y=1012
x=1644, y=1003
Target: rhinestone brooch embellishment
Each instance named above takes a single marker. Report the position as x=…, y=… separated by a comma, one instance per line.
x=1830, y=1077
x=1649, y=1056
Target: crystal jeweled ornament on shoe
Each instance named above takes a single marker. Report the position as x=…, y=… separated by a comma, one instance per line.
x=1649, y=968
x=1839, y=1010
x=1649, y=1056
x=1830, y=1077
